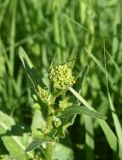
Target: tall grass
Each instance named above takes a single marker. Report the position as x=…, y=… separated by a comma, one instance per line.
x=49, y=29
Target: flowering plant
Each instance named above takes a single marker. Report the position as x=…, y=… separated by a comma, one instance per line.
x=60, y=109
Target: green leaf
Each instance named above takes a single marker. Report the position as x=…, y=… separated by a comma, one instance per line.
x=37, y=142
x=110, y=136
x=99, y=64
x=34, y=79
x=80, y=77
x=5, y=157
x=32, y=74
x=65, y=122
x=62, y=152
x=117, y=67
x=81, y=110
x=49, y=138
x=14, y=143
x=24, y=58
x=117, y=123
x=72, y=58
x=89, y=138
x=38, y=120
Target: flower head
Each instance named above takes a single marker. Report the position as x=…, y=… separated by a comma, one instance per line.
x=61, y=76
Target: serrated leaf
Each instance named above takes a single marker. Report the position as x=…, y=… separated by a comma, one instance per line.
x=81, y=110
x=15, y=144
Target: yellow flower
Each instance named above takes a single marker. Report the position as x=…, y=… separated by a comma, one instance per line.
x=43, y=94
x=61, y=76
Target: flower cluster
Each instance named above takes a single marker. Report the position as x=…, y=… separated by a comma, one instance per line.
x=43, y=94
x=64, y=103
x=61, y=77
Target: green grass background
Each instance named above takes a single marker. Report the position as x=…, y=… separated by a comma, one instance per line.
x=45, y=28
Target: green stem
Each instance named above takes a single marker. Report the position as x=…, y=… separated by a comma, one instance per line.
x=49, y=125
x=49, y=151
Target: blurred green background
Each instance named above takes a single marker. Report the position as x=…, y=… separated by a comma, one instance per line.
x=45, y=28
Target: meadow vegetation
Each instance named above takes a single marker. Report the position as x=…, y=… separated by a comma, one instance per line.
x=60, y=79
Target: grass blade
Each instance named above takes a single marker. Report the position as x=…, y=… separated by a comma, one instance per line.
x=71, y=59
x=117, y=124
x=89, y=138
x=110, y=136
